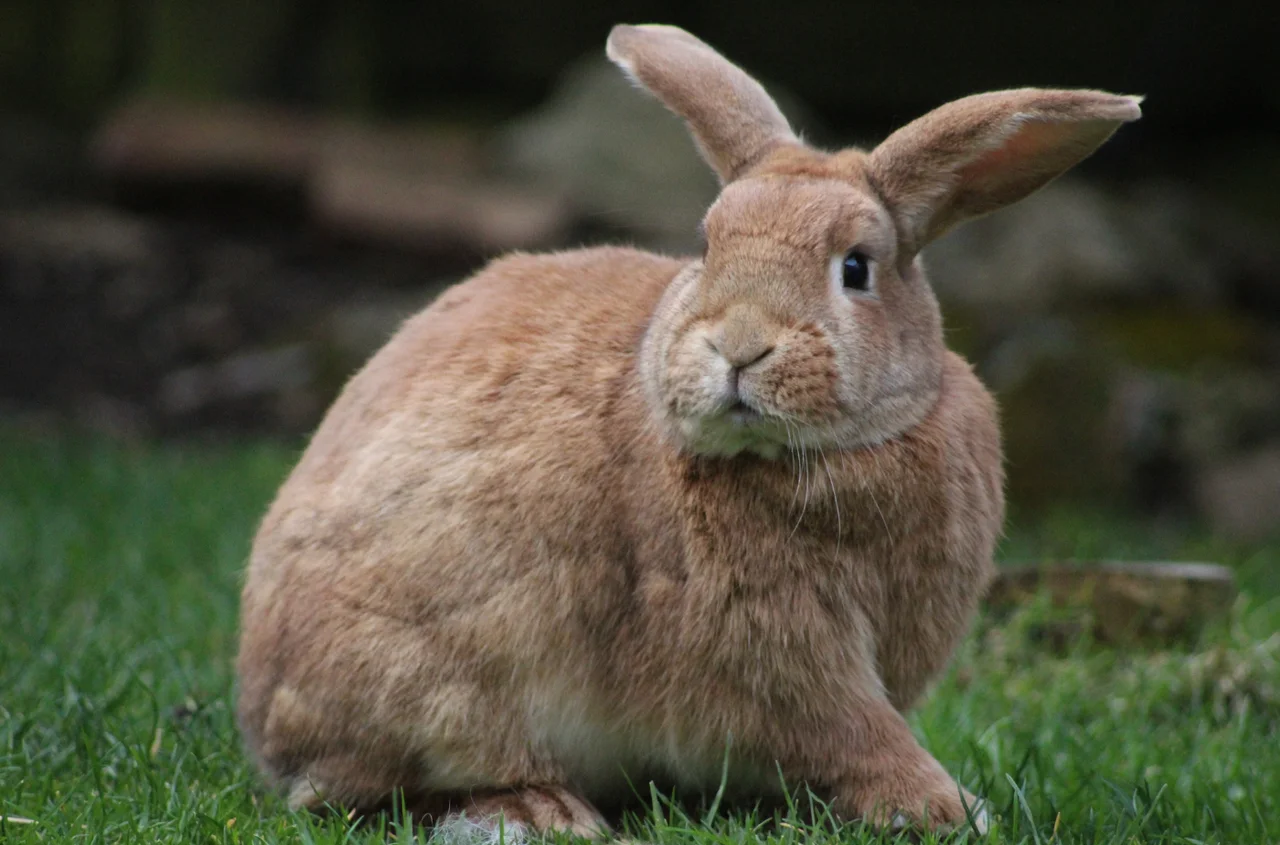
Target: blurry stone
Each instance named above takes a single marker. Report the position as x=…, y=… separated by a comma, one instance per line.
x=417, y=151
x=133, y=324
x=227, y=267
x=1037, y=253
x=418, y=210
x=1075, y=243
x=76, y=285
x=1128, y=603
x=1191, y=389
x=247, y=374
x=361, y=328
x=298, y=408
x=1143, y=414
x=209, y=327
x=1126, y=402
x=1086, y=414
x=1162, y=336
x=351, y=333
x=402, y=185
x=1229, y=410
x=134, y=289
x=1242, y=496
x=114, y=417
x=62, y=233
x=625, y=161
x=1052, y=385
x=158, y=140
x=1143, y=422
x=36, y=160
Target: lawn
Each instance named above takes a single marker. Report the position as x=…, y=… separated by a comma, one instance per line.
x=120, y=569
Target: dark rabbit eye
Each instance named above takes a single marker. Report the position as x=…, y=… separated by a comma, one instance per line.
x=857, y=271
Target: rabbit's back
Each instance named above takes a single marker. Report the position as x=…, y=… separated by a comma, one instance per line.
x=371, y=588
x=545, y=329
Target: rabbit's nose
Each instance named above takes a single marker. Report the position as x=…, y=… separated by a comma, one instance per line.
x=740, y=355
x=742, y=338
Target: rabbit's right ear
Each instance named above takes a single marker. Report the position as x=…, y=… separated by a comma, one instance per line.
x=733, y=119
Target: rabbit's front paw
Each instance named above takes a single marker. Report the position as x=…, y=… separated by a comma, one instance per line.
x=933, y=802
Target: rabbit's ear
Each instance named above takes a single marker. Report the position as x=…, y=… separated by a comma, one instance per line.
x=983, y=152
x=733, y=119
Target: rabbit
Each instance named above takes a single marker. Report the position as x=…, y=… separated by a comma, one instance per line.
x=603, y=516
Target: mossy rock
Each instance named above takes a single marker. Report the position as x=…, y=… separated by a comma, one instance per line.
x=1181, y=340
x=1054, y=387
x=1123, y=603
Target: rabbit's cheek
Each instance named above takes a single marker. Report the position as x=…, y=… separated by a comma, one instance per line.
x=698, y=379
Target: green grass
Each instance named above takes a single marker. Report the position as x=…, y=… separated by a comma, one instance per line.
x=119, y=572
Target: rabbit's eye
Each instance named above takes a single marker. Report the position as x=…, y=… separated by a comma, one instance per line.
x=857, y=271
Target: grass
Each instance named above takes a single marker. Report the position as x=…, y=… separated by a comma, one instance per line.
x=119, y=572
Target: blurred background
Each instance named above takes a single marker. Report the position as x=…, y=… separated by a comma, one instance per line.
x=211, y=213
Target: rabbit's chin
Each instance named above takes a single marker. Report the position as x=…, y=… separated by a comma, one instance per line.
x=733, y=433
x=729, y=432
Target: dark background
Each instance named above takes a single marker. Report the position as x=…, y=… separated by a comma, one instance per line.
x=210, y=213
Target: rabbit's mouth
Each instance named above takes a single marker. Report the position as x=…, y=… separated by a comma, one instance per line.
x=736, y=426
x=741, y=414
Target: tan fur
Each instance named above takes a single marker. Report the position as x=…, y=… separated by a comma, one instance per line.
x=535, y=554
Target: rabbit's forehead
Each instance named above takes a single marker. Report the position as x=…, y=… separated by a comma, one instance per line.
x=815, y=215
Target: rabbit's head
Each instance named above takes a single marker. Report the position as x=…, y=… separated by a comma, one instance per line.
x=809, y=321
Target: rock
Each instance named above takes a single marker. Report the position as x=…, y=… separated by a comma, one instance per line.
x=37, y=160
x=624, y=160
x=1241, y=496
x=384, y=205
x=68, y=232
x=1178, y=339
x=1132, y=405
x=209, y=327
x=1143, y=421
x=255, y=373
x=1053, y=386
x=443, y=151
x=1128, y=603
x=168, y=141
x=1055, y=245
x=416, y=187
x=1227, y=410
x=113, y=417
x=422, y=188
x=351, y=333
x=76, y=282
x=1184, y=442
x=1075, y=243
x=136, y=324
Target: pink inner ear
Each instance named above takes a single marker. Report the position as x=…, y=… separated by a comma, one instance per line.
x=1032, y=141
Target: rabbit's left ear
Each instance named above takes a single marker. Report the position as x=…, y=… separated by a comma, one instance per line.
x=733, y=119
x=980, y=153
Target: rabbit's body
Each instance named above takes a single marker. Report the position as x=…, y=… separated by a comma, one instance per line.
x=569, y=581
x=602, y=516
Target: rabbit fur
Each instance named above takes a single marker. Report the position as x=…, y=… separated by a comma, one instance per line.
x=603, y=516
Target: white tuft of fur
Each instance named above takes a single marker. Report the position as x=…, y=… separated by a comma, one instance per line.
x=628, y=67
x=981, y=818
x=460, y=830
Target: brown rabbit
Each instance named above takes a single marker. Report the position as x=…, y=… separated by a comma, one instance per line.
x=595, y=517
